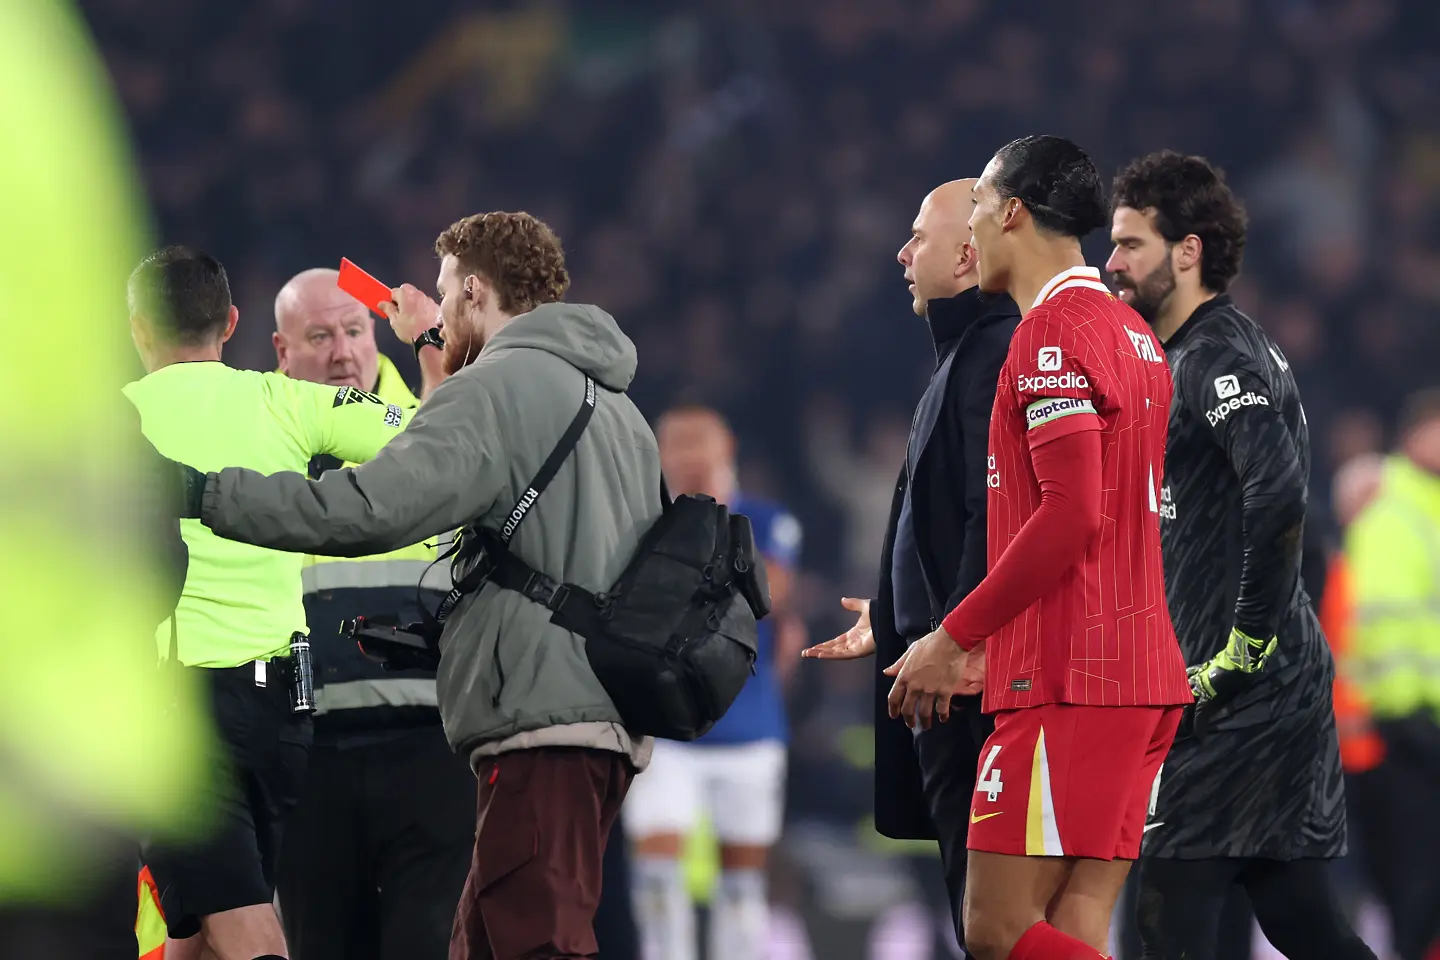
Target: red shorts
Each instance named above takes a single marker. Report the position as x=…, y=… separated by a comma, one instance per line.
x=1069, y=780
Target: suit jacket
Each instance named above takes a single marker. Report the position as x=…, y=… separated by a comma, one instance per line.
x=947, y=501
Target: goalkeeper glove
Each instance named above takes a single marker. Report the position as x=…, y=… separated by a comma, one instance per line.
x=1230, y=670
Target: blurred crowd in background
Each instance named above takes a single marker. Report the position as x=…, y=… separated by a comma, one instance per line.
x=732, y=180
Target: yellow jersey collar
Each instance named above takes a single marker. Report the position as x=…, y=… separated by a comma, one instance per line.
x=391, y=387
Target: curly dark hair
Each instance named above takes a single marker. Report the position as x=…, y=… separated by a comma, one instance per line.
x=1056, y=181
x=516, y=252
x=1188, y=195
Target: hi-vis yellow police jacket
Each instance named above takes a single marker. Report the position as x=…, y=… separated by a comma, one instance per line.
x=350, y=689
x=1393, y=549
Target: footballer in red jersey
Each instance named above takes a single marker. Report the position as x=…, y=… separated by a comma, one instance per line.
x=1083, y=361
x=1069, y=633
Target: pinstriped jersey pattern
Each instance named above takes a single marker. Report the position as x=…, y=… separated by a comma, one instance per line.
x=1102, y=637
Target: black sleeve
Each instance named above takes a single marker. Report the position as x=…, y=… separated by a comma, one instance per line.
x=1233, y=392
x=976, y=401
x=1315, y=562
x=175, y=564
x=157, y=511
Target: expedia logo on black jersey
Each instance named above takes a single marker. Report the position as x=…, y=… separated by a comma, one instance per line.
x=1248, y=399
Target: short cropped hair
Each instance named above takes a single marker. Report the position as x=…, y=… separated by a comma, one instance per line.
x=1057, y=182
x=518, y=253
x=696, y=410
x=1189, y=196
x=184, y=293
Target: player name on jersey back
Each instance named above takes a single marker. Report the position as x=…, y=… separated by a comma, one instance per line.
x=1082, y=360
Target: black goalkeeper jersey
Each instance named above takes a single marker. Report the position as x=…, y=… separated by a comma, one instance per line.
x=1265, y=779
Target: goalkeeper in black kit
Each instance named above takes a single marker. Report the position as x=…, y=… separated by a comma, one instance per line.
x=1251, y=793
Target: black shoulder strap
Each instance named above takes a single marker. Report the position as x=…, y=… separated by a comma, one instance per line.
x=570, y=606
x=499, y=540
x=550, y=467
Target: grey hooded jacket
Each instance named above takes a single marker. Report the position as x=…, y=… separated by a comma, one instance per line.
x=508, y=678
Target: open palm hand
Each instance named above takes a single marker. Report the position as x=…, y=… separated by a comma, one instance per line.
x=857, y=642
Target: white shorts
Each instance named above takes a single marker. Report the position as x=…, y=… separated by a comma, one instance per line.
x=741, y=787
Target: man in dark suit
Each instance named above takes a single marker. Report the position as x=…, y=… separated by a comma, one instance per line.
x=934, y=552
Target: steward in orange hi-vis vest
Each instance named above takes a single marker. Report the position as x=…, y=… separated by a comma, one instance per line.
x=1361, y=748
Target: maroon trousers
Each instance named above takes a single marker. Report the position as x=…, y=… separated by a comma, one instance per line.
x=542, y=822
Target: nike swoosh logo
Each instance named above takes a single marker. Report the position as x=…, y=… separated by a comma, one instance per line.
x=1152, y=826
x=983, y=816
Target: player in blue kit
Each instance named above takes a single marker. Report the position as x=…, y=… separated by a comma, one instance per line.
x=736, y=772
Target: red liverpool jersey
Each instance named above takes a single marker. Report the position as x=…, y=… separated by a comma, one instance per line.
x=1082, y=360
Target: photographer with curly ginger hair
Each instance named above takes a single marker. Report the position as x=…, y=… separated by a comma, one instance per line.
x=517, y=693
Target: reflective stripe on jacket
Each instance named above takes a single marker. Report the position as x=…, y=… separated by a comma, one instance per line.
x=1361, y=748
x=387, y=584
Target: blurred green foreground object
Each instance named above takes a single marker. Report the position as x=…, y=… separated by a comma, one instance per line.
x=97, y=742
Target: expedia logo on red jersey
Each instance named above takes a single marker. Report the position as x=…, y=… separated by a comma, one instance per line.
x=992, y=475
x=1249, y=399
x=1070, y=380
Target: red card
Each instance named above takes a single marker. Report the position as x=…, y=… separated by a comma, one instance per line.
x=362, y=286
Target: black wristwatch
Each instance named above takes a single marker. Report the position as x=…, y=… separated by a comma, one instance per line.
x=430, y=338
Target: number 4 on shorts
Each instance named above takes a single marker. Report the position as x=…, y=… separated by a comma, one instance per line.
x=990, y=783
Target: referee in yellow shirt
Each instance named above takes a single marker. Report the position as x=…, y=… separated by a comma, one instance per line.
x=241, y=605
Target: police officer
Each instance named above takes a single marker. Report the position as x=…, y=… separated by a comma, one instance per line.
x=377, y=849
x=1393, y=549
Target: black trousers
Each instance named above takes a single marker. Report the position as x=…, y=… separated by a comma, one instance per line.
x=615, y=929
x=1181, y=903
x=949, y=754
x=100, y=925
x=1233, y=942
x=376, y=853
x=1394, y=808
